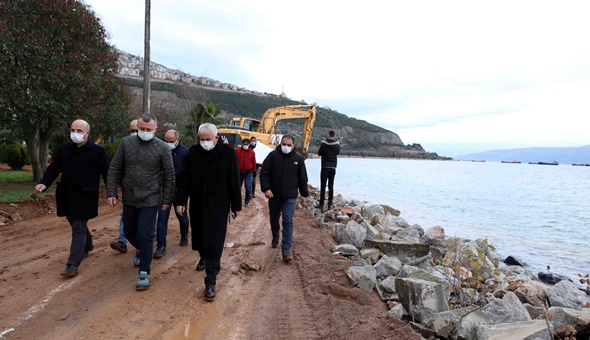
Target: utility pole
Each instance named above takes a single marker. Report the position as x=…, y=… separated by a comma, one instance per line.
x=146, y=59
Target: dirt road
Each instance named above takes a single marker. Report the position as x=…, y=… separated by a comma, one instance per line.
x=311, y=298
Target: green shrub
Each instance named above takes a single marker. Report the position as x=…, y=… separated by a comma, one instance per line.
x=13, y=154
x=111, y=148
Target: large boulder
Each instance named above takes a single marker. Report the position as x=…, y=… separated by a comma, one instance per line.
x=436, y=232
x=523, y=330
x=421, y=298
x=562, y=318
x=445, y=324
x=351, y=233
x=403, y=250
x=388, y=266
x=411, y=235
x=566, y=294
x=527, y=291
x=363, y=277
x=345, y=250
x=368, y=211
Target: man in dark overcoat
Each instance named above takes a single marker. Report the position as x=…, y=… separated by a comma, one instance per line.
x=210, y=176
x=81, y=163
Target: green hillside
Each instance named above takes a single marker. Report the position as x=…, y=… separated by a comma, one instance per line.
x=251, y=105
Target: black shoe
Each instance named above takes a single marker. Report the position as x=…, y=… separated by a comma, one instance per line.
x=275, y=242
x=119, y=246
x=246, y=204
x=330, y=206
x=210, y=293
x=201, y=266
x=319, y=206
x=183, y=241
x=88, y=250
x=70, y=271
x=160, y=251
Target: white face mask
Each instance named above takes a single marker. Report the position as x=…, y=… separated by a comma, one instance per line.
x=286, y=149
x=77, y=137
x=133, y=134
x=171, y=145
x=207, y=144
x=145, y=136
x=245, y=147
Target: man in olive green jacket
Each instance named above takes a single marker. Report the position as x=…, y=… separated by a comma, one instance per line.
x=143, y=167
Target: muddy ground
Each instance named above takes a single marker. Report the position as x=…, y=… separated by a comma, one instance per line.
x=310, y=298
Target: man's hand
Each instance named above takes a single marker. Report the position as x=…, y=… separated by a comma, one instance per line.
x=302, y=200
x=165, y=206
x=39, y=188
x=180, y=209
x=112, y=201
x=268, y=194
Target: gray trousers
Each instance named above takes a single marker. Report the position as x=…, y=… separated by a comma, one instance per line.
x=81, y=241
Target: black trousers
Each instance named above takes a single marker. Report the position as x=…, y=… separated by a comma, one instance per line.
x=327, y=175
x=81, y=241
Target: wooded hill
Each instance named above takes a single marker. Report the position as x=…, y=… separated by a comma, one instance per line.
x=358, y=137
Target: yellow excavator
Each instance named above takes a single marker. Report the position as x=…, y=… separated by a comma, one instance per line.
x=264, y=129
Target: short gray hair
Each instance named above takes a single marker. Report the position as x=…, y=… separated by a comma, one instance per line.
x=208, y=127
x=176, y=135
x=87, y=127
x=146, y=117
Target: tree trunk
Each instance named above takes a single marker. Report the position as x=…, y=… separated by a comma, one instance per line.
x=38, y=150
x=33, y=151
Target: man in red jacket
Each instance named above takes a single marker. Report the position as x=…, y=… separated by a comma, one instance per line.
x=247, y=162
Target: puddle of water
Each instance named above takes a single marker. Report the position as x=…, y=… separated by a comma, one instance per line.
x=197, y=328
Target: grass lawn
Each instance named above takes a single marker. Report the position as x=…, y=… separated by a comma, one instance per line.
x=16, y=186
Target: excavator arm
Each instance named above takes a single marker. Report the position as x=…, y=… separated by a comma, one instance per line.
x=273, y=115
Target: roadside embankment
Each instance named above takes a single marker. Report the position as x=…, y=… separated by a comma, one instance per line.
x=448, y=287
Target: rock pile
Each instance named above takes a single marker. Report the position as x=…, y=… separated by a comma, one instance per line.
x=448, y=287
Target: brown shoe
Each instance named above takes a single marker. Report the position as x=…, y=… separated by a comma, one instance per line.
x=287, y=257
x=70, y=271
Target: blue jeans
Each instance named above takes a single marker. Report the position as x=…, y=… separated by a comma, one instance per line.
x=286, y=207
x=162, y=225
x=246, y=177
x=122, y=237
x=139, y=229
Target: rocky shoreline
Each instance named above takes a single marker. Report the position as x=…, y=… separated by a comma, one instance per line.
x=449, y=287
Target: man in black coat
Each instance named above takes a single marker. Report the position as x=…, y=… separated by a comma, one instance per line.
x=329, y=150
x=81, y=163
x=210, y=176
x=283, y=175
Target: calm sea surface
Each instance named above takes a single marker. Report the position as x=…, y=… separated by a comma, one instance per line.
x=538, y=213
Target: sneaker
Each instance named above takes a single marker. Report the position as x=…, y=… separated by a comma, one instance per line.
x=246, y=204
x=200, y=265
x=160, y=251
x=143, y=282
x=70, y=271
x=287, y=256
x=119, y=246
x=330, y=206
x=183, y=241
x=253, y=196
x=319, y=206
x=209, y=293
x=275, y=242
x=136, y=261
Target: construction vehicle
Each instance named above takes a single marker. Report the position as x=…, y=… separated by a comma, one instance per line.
x=264, y=129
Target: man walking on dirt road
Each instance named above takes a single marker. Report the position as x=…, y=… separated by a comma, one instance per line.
x=210, y=176
x=329, y=150
x=81, y=163
x=283, y=174
x=143, y=166
x=179, y=151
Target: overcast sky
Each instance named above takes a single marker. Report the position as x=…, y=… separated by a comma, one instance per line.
x=454, y=76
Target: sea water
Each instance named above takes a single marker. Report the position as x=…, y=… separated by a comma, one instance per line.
x=537, y=213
